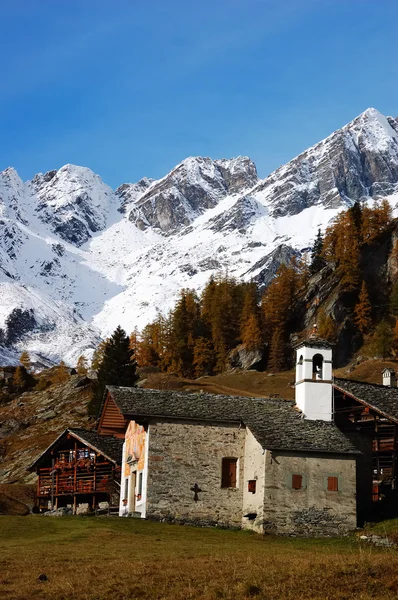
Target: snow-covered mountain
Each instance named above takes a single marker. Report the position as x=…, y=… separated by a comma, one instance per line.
x=78, y=258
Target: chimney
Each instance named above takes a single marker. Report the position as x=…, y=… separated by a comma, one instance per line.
x=389, y=378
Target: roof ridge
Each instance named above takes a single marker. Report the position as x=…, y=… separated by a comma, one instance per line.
x=187, y=394
x=379, y=385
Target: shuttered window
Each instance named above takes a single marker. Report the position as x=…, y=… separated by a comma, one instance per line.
x=228, y=476
x=251, y=486
x=297, y=482
x=333, y=484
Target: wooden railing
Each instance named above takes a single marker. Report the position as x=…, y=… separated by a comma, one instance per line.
x=75, y=479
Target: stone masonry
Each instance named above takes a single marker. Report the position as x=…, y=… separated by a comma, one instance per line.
x=312, y=510
x=184, y=454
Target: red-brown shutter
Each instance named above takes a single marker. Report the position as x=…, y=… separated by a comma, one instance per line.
x=251, y=486
x=297, y=482
x=228, y=477
x=333, y=484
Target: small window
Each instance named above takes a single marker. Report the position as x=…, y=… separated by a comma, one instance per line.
x=228, y=476
x=333, y=484
x=251, y=486
x=126, y=489
x=297, y=482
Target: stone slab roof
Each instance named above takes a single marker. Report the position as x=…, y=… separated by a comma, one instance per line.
x=111, y=447
x=108, y=446
x=381, y=398
x=276, y=423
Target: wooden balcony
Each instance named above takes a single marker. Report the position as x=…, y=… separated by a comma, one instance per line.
x=77, y=477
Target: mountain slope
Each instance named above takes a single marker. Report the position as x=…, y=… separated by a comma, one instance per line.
x=83, y=258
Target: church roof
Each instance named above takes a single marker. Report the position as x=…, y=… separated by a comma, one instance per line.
x=276, y=423
x=381, y=398
x=314, y=341
x=109, y=446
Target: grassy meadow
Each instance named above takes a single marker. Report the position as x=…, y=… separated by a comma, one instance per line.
x=124, y=559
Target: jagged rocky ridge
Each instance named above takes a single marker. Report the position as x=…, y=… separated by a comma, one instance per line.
x=82, y=258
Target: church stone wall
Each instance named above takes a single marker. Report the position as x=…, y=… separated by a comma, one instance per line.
x=183, y=454
x=312, y=510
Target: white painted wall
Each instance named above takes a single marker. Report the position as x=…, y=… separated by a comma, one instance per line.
x=315, y=400
x=140, y=506
x=123, y=509
x=254, y=468
x=314, y=395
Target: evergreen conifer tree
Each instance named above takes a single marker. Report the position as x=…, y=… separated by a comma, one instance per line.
x=317, y=261
x=118, y=366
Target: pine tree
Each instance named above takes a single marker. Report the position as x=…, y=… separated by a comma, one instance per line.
x=317, y=261
x=355, y=214
x=25, y=361
x=82, y=366
x=118, y=366
x=363, y=310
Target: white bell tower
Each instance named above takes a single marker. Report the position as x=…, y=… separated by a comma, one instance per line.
x=314, y=395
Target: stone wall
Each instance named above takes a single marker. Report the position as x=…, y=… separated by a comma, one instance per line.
x=183, y=454
x=312, y=510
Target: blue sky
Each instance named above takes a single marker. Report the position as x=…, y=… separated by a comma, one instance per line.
x=129, y=88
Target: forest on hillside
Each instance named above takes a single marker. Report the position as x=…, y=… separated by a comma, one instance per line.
x=198, y=335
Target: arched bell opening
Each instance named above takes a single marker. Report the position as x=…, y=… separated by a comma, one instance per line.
x=317, y=367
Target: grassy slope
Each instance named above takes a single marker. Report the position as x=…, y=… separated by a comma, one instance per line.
x=120, y=559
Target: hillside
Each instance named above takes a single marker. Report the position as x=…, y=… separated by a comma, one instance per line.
x=32, y=420
x=78, y=258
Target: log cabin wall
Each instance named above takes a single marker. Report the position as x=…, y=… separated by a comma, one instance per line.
x=111, y=421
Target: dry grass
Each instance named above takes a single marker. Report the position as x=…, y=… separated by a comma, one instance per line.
x=368, y=370
x=238, y=383
x=120, y=559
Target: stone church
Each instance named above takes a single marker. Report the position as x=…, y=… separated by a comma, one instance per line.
x=269, y=465
x=318, y=466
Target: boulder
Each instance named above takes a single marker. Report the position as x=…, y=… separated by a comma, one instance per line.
x=242, y=358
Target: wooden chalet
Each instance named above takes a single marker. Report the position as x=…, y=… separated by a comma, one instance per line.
x=80, y=468
x=369, y=413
